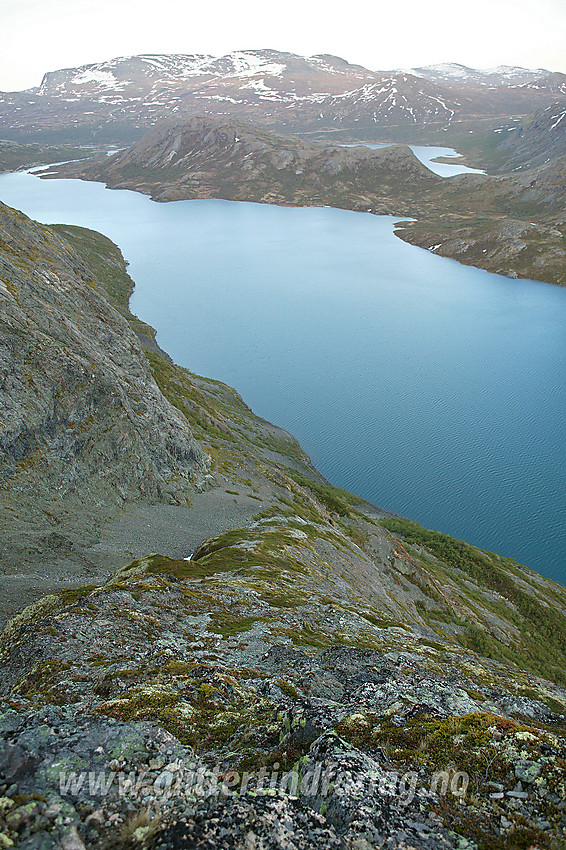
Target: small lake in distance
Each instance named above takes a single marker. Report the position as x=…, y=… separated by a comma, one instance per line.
x=427, y=154
x=433, y=389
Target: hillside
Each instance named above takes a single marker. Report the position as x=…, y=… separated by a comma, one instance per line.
x=14, y=155
x=215, y=157
x=512, y=224
x=535, y=141
x=117, y=101
x=515, y=220
x=84, y=428
x=309, y=632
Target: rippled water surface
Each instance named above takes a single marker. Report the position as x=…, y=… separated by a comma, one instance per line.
x=433, y=389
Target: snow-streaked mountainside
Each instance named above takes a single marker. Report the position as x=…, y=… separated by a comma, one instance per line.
x=401, y=98
x=149, y=69
x=503, y=75
x=119, y=100
x=536, y=141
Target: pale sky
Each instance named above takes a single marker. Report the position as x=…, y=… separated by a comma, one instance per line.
x=45, y=35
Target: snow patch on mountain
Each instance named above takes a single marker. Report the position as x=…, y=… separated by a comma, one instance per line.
x=104, y=79
x=452, y=72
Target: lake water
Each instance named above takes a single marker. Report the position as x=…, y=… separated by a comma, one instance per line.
x=433, y=389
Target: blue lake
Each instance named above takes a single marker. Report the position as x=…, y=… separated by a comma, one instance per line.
x=433, y=389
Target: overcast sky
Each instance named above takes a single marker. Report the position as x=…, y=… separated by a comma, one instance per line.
x=44, y=35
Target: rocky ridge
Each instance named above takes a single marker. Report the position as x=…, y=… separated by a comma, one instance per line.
x=376, y=684
x=220, y=158
x=84, y=427
x=78, y=397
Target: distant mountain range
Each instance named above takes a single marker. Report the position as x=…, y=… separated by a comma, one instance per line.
x=118, y=100
x=503, y=75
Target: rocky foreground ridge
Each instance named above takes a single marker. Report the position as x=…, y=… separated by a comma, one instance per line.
x=315, y=673
x=511, y=223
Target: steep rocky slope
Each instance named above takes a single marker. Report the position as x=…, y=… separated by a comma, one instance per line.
x=535, y=141
x=83, y=426
x=79, y=403
x=389, y=685
x=98, y=464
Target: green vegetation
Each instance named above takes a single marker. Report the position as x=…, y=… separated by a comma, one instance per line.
x=105, y=260
x=542, y=625
x=213, y=707
x=159, y=565
x=229, y=625
x=469, y=743
x=176, y=385
x=335, y=499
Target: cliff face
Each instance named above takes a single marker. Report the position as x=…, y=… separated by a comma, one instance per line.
x=78, y=402
x=84, y=428
x=316, y=637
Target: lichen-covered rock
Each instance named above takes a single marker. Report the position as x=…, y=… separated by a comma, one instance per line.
x=270, y=821
x=214, y=696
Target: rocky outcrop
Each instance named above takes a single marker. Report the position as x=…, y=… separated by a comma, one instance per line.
x=84, y=429
x=507, y=246
x=248, y=700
